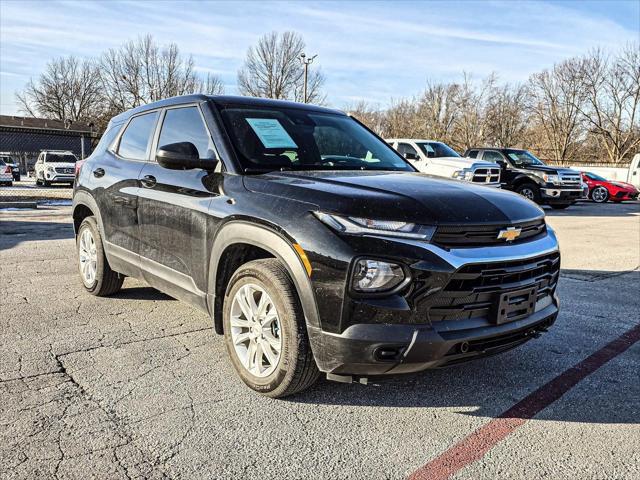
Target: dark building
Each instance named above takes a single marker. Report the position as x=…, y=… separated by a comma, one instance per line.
x=25, y=137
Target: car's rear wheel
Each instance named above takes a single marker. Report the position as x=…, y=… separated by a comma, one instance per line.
x=530, y=191
x=600, y=195
x=95, y=272
x=265, y=331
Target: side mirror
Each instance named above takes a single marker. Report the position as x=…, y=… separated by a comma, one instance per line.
x=182, y=156
x=410, y=156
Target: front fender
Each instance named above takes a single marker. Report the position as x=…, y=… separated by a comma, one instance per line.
x=240, y=231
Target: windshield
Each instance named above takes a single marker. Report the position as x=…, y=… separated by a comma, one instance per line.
x=593, y=176
x=437, y=149
x=60, y=158
x=291, y=139
x=522, y=157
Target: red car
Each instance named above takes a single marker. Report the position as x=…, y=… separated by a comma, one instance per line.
x=601, y=189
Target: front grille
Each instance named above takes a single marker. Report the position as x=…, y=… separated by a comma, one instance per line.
x=571, y=179
x=65, y=171
x=486, y=175
x=481, y=235
x=473, y=291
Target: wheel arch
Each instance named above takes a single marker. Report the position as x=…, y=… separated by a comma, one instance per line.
x=84, y=206
x=262, y=242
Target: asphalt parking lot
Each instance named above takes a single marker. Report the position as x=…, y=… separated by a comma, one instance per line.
x=138, y=385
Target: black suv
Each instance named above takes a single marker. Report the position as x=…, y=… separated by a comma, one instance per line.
x=313, y=245
x=529, y=176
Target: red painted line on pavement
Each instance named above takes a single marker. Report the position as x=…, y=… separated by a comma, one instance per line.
x=477, y=444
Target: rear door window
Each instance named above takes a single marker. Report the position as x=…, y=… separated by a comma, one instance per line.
x=492, y=156
x=135, y=140
x=404, y=148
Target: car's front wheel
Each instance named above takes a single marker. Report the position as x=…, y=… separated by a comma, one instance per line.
x=600, y=195
x=530, y=191
x=265, y=331
x=95, y=272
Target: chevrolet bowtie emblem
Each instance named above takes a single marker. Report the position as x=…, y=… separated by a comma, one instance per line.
x=510, y=234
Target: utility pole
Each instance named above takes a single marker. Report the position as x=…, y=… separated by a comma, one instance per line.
x=306, y=62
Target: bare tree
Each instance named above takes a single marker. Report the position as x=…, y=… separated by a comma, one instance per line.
x=211, y=85
x=141, y=72
x=556, y=99
x=272, y=69
x=68, y=89
x=438, y=110
x=370, y=116
x=471, y=123
x=506, y=115
x=612, y=107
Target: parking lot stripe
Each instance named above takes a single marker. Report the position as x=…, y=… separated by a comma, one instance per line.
x=477, y=444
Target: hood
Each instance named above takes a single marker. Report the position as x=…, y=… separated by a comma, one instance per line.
x=628, y=186
x=401, y=196
x=61, y=164
x=461, y=162
x=549, y=170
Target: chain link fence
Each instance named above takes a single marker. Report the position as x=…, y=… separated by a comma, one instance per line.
x=22, y=141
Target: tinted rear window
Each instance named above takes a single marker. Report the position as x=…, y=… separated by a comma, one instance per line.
x=137, y=136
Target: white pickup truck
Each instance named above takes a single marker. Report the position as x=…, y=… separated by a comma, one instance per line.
x=437, y=158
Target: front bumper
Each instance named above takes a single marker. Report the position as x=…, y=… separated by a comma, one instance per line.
x=57, y=177
x=561, y=195
x=423, y=330
x=366, y=349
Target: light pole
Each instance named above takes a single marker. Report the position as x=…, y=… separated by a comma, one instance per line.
x=306, y=62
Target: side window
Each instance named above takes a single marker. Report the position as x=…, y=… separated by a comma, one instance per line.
x=404, y=148
x=135, y=139
x=186, y=125
x=473, y=154
x=493, y=156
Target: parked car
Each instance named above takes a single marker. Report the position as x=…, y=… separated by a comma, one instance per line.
x=15, y=169
x=601, y=190
x=529, y=176
x=312, y=244
x=437, y=158
x=55, y=166
x=6, y=177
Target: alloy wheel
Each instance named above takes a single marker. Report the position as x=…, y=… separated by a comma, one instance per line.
x=255, y=330
x=599, y=195
x=527, y=193
x=88, y=257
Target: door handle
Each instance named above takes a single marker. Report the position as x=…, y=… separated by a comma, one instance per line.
x=148, y=181
x=98, y=172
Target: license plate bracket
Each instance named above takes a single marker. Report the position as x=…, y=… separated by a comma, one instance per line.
x=516, y=305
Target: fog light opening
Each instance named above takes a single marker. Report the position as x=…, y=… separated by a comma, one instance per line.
x=387, y=354
x=464, y=347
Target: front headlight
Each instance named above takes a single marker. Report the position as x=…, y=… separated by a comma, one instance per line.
x=366, y=226
x=464, y=174
x=549, y=178
x=376, y=276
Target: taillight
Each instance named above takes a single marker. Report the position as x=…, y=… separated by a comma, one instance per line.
x=79, y=164
x=8, y=169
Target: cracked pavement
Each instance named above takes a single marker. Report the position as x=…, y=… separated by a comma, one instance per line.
x=138, y=385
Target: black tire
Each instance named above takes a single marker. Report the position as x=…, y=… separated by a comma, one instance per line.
x=296, y=369
x=530, y=191
x=38, y=182
x=46, y=183
x=599, y=195
x=107, y=282
x=560, y=206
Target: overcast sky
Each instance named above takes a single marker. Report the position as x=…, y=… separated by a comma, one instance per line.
x=372, y=51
